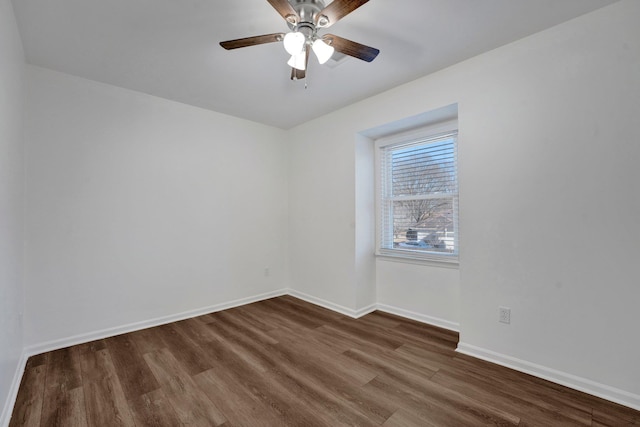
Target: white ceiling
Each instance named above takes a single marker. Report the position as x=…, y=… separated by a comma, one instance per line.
x=169, y=48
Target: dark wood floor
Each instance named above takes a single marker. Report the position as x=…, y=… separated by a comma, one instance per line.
x=286, y=362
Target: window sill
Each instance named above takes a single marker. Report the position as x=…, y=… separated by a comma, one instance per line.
x=408, y=258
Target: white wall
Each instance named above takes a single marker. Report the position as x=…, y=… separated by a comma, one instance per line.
x=365, y=226
x=322, y=212
x=550, y=204
x=548, y=152
x=11, y=205
x=140, y=208
x=425, y=293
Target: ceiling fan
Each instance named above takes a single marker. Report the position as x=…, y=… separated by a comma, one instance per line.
x=305, y=18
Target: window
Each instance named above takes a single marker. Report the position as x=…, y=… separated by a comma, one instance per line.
x=418, y=194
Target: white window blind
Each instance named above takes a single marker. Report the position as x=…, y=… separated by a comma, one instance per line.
x=418, y=202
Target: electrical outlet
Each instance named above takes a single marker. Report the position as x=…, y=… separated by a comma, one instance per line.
x=505, y=315
x=266, y=272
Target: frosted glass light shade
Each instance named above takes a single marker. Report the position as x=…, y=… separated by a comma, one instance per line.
x=294, y=42
x=322, y=50
x=298, y=61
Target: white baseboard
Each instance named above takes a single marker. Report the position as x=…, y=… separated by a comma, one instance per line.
x=435, y=321
x=5, y=417
x=572, y=381
x=123, y=329
x=366, y=310
x=332, y=306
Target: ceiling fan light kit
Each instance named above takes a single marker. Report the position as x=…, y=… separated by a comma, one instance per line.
x=294, y=42
x=323, y=51
x=305, y=18
x=298, y=61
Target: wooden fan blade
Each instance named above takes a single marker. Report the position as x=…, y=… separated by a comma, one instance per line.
x=285, y=9
x=300, y=74
x=252, y=41
x=297, y=74
x=351, y=48
x=337, y=10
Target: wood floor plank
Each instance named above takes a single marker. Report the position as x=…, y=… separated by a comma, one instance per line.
x=381, y=363
x=293, y=314
x=370, y=333
x=153, y=410
x=28, y=407
x=276, y=318
x=195, y=329
x=542, y=392
x=64, y=407
x=321, y=402
x=148, y=340
x=298, y=373
x=339, y=338
x=616, y=416
x=328, y=374
x=37, y=360
x=285, y=362
x=382, y=321
x=320, y=314
x=134, y=374
x=441, y=405
x=428, y=332
x=226, y=337
x=282, y=399
x=183, y=348
x=189, y=402
x=602, y=409
x=407, y=358
x=104, y=398
x=491, y=393
x=427, y=411
x=435, y=342
x=259, y=322
x=63, y=368
x=404, y=418
x=64, y=403
x=353, y=371
x=436, y=360
x=239, y=405
x=242, y=326
x=285, y=402
x=91, y=346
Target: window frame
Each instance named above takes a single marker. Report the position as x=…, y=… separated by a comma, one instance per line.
x=406, y=138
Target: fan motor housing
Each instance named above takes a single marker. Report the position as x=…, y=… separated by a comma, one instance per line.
x=307, y=10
